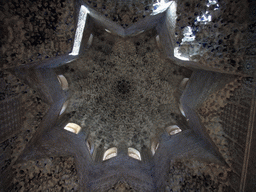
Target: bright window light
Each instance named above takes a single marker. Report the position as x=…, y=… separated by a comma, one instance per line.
x=217, y=7
x=160, y=7
x=110, y=153
x=134, y=153
x=90, y=146
x=107, y=31
x=211, y=2
x=188, y=34
x=173, y=130
x=79, y=30
x=139, y=32
x=63, y=82
x=205, y=18
x=181, y=110
x=158, y=41
x=64, y=107
x=154, y=147
x=184, y=83
x=177, y=54
x=89, y=43
x=72, y=127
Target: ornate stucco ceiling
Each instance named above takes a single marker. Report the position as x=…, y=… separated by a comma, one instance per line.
x=125, y=13
x=33, y=31
x=124, y=90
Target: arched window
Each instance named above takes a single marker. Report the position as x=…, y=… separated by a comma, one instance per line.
x=181, y=110
x=172, y=130
x=89, y=43
x=154, y=147
x=107, y=31
x=139, y=32
x=158, y=41
x=134, y=153
x=79, y=30
x=64, y=107
x=90, y=146
x=63, y=82
x=110, y=153
x=184, y=83
x=72, y=127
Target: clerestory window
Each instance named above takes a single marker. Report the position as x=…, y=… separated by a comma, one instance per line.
x=64, y=107
x=72, y=127
x=181, y=110
x=154, y=147
x=63, y=82
x=134, y=153
x=184, y=83
x=90, y=146
x=110, y=153
x=173, y=130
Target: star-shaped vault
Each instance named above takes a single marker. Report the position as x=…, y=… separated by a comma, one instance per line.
x=128, y=85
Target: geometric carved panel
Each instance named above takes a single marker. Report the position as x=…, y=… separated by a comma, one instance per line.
x=235, y=118
x=10, y=116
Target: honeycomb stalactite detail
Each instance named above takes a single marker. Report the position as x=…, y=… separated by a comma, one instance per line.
x=213, y=33
x=33, y=31
x=34, y=109
x=49, y=174
x=187, y=175
x=121, y=186
x=218, y=100
x=235, y=120
x=121, y=80
x=210, y=116
x=121, y=12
